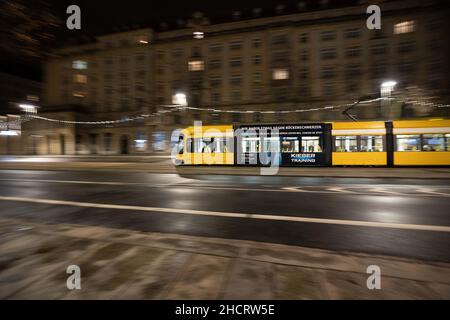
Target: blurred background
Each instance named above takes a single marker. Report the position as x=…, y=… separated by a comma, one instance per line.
x=288, y=61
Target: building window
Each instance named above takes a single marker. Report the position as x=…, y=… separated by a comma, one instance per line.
x=196, y=65
x=79, y=65
x=406, y=46
x=279, y=39
x=256, y=43
x=79, y=78
x=257, y=78
x=304, y=74
x=378, y=49
x=346, y=144
x=280, y=74
x=140, y=74
x=352, y=52
x=215, y=64
x=327, y=54
x=406, y=67
x=404, y=27
x=177, y=53
x=160, y=55
x=257, y=60
x=304, y=38
x=328, y=90
x=236, y=96
x=327, y=72
x=235, y=45
x=140, y=142
x=107, y=141
x=353, y=71
x=408, y=142
x=215, y=47
x=215, y=81
x=327, y=35
x=304, y=55
x=236, y=79
x=235, y=62
x=352, y=33
x=215, y=97
x=378, y=70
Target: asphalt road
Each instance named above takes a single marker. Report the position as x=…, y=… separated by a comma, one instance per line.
x=398, y=217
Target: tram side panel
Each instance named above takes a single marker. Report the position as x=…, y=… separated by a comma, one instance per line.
x=359, y=144
x=421, y=143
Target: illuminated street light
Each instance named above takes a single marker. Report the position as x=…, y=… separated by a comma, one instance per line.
x=180, y=99
x=9, y=133
x=387, y=87
x=29, y=108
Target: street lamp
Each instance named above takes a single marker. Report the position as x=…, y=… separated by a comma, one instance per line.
x=28, y=108
x=387, y=87
x=179, y=99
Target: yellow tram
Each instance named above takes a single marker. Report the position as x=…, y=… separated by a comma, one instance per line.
x=367, y=143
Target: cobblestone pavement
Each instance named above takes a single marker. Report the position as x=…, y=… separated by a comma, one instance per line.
x=122, y=264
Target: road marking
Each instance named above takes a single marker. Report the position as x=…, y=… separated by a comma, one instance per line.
x=233, y=214
x=336, y=190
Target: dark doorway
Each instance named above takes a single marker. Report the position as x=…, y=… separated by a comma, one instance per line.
x=62, y=141
x=93, y=143
x=124, y=145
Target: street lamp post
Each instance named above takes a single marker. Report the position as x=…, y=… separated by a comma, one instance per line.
x=386, y=90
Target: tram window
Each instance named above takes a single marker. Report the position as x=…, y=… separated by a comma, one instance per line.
x=250, y=144
x=447, y=138
x=346, y=144
x=271, y=144
x=205, y=145
x=371, y=144
x=311, y=144
x=290, y=144
x=181, y=145
x=433, y=142
x=223, y=145
x=190, y=145
x=408, y=142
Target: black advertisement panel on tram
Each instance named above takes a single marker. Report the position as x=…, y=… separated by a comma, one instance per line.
x=284, y=145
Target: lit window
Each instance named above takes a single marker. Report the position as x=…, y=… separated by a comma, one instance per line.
x=79, y=94
x=371, y=144
x=290, y=144
x=433, y=142
x=404, y=27
x=346, y=144
x=79, y=65
x=197, y=65
x=280, y=74
x=447, y=141
x=198, y=35
x=311, y=144
x=80, y=78
x=408, y=143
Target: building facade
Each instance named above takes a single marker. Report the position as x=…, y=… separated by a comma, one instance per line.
x=304, y=58
x=14, y=92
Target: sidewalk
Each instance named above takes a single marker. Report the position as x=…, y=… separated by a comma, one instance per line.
x=122, y=264
x=163, y=164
